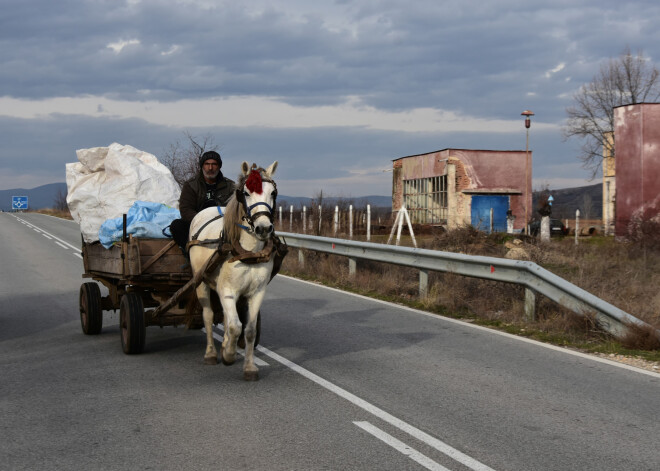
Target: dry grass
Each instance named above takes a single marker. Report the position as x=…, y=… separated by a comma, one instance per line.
x=64, y=214
x=625, y=274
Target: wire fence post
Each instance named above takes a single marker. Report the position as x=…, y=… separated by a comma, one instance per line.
x=350, y=221
x=336, y=224
x=368, y=223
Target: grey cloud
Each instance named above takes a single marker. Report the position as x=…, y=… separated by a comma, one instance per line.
x=472, y=57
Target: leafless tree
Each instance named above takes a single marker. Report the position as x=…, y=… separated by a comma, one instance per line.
x=587, y=206
x=60, y=201
x=624, y=80
x=182, y=158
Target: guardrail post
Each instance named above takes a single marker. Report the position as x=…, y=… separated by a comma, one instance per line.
x=301, y=258
x=423, y=283
x=352, y=267
x=530, y=304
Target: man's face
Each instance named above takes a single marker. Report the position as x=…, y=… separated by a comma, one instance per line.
x=210, y=169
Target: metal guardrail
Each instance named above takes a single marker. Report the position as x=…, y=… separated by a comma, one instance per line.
x=528, y=274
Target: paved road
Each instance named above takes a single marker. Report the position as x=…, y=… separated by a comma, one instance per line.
x=346, y=383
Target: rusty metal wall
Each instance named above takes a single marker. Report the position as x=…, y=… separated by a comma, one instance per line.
x=637, y=162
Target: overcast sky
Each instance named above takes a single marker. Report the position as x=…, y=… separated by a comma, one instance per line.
x=333, y=90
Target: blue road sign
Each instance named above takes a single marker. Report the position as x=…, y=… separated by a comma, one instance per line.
x=19, y=202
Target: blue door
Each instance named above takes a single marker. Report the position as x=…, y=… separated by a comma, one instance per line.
x=480, y=215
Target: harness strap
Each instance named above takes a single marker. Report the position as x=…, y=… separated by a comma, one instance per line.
x=206, y=224
x=194, y=240
x=245, y=256
x=192, y=243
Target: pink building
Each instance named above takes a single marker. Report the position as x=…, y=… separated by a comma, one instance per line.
x=637, y=165
x=455, y=187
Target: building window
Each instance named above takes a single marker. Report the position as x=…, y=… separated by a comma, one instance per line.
x=426, y=199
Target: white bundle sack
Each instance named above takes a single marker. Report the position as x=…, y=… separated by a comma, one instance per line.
x=106, y=181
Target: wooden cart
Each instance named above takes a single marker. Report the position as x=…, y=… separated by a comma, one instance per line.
x=140, y=274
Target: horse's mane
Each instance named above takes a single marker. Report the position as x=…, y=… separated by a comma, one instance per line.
x=234, y=211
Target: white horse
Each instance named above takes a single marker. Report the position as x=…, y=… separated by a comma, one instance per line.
x=246, y=227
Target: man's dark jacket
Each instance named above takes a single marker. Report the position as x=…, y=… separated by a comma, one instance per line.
x=193, y=195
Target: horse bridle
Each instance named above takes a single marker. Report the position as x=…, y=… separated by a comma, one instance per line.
x=251, y=217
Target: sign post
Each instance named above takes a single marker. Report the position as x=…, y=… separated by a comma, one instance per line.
x=19, y=203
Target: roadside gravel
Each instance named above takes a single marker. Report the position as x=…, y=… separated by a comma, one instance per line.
x=632, y=361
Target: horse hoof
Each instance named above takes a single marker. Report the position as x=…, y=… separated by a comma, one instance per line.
x=251, y=375
x=224, y=361
x=211, y=360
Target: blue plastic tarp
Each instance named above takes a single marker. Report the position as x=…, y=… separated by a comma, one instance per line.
x=143, y=219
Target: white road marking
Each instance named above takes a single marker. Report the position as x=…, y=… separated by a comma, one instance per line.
x=62, y=245
x=401, y=447
x=381, y=414
x=258, y=361
x=47, y=237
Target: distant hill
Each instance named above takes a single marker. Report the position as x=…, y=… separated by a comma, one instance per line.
x=38, y=198
x=44, y=197
x=588, y=199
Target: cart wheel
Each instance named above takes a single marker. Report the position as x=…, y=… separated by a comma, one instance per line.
x=131, y=323
x=91, y=314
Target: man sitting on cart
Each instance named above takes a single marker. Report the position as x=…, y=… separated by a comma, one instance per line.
x=208, y=188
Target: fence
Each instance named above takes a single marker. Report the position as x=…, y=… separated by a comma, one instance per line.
x=336, y=220
x=534, y=278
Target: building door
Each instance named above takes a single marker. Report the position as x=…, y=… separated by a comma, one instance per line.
x=481, y=206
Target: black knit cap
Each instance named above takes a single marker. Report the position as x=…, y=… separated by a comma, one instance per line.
x=210, y=155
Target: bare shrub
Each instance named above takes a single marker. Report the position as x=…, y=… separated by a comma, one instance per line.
x=641, y=338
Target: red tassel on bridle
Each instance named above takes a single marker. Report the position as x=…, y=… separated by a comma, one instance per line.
x=253, y=182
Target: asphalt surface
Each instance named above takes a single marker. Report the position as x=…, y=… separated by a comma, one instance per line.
x=346, y=383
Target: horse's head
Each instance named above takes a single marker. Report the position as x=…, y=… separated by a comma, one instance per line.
x=257, y=194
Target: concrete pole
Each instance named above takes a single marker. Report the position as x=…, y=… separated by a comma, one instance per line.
x=336, y=222
x=350, y=221
x=368, y=223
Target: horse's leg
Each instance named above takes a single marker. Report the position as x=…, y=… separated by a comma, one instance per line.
x=204, y=296
x=250, y=370
x=232, y=324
